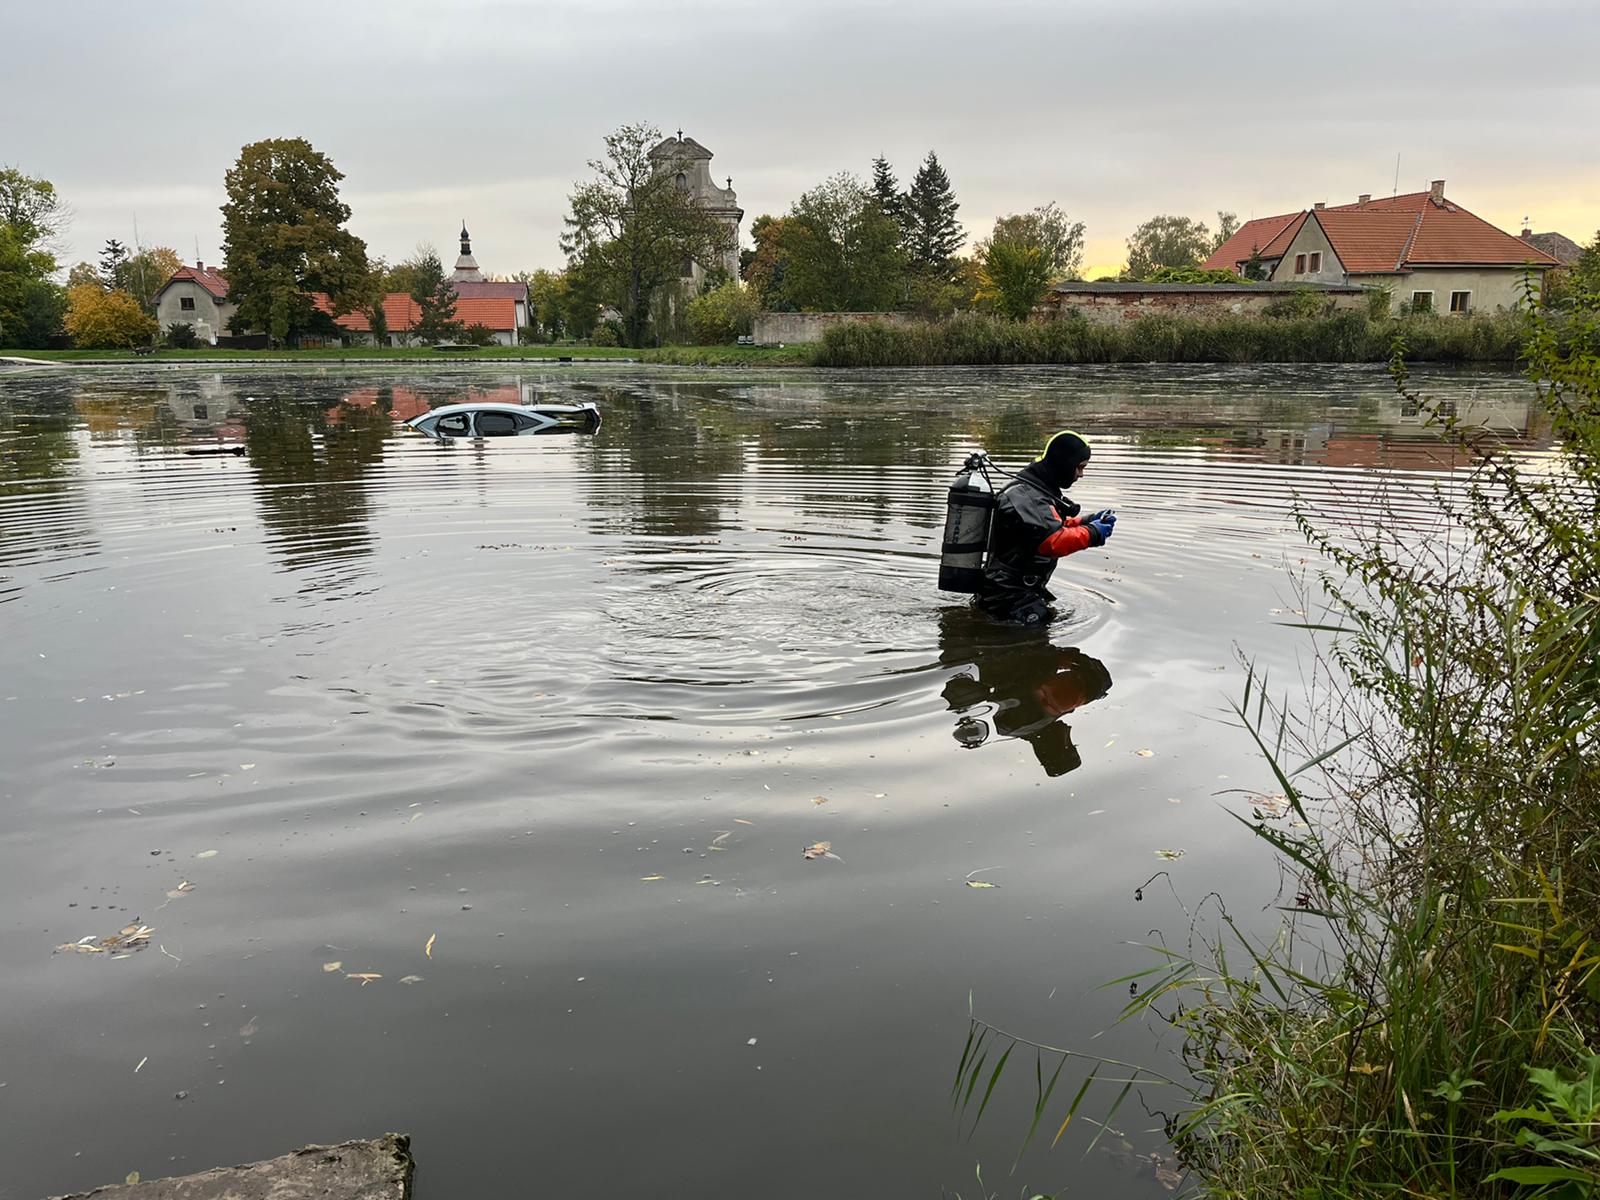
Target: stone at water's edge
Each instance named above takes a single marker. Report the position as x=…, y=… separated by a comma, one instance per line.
x=375, y=1170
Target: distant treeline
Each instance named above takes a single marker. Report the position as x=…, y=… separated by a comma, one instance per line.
x=979, y=339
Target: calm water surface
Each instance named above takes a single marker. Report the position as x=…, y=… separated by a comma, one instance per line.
x=568, y=709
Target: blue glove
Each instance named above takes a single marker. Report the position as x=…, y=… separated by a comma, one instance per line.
x=1107, y=515
x=1101, y=528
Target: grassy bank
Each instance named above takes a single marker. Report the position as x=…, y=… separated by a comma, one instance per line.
x=972, y=339
x=693, y=356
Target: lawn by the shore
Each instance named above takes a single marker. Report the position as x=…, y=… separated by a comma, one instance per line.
x=693, y=356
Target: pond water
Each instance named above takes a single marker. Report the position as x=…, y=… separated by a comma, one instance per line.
x=528, y=737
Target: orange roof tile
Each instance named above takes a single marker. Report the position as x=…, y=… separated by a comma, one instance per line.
x=1260, y=235
x=1432, y=233
x=208, y=277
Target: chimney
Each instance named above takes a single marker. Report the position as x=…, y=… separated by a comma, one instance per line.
x=199, y=266
x=1436, y=191
x=1320, y=205
x=1526, y=233
x=1363, y=199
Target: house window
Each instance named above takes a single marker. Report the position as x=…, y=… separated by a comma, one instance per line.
x=1460, y=302
x=186, y=303
x=1316, y=261
x=1299, y=264
x=687, y=269
x=1421, y=301
x=201, y=412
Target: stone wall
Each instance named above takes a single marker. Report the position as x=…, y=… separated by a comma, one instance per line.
x=1111, y=308
x=799, y=329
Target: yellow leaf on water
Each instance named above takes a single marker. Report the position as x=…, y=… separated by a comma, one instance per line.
x=650, y=878
x=428, y=948
x=332, y=967
x=366, y=977
x=717, y=841
x=817, y=850
x=1144, y=753
x=981, y=883
x=206, y=854
x=742, y=821
x=819, y=799
x=1111, y=743
x=1169, y=855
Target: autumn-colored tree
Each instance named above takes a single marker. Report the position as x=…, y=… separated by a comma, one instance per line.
x=284, y=238
x=144, y=274
x=102, y=320
x=31, y=219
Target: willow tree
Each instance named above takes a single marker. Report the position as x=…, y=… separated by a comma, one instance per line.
x=633, y=229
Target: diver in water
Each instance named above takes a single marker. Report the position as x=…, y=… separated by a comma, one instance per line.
x=1034, y=526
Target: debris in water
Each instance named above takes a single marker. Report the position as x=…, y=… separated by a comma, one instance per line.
x=427, y=949
x=651, y=878
x=1169, y=855
x=332, y=967
x=128, y=938
x=821, y=850
x=206, y=854
x=366, y=977
x=1144, y=753
x=142, y=1062
x=751, y=1042
x=981, y=883
x=249, y=1029
x=819, y=799
x=716, y=842
x=742, y=821
x=411, y=979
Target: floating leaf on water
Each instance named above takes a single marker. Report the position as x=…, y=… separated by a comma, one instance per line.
x=1144, y=753
x=332, y=967
x=131, y=1178
x=411, y=979
x=716, y=842
x=366, y=977
x=1169, y=855
x=879, y=795
x=751, y=1042
x=651, y=878
x=1094, y=812
x=819, y=799
x=249, y=1028
x=1167, y=1177
x=1111, y=743
x=247, y=766
x=742, y=821
x=817, y=850
x=206, y=854
x=142, y=1062
x=427, y=948
x=1174, y=800
x=981, y=883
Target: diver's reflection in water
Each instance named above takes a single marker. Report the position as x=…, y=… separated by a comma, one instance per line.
x=1020, y=682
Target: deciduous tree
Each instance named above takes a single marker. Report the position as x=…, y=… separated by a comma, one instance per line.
x=146, y=273
x=841, y=252
x=31, y=217
x=102, y=320
x=284, y=237
x=1167, y=241
x=1026, y=253
x=632, y=231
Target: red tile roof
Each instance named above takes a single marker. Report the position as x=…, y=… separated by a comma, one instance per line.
x=207, y=277
x=1394, y=233
x=511, y=290
x=402, y=313
x=1267, y=235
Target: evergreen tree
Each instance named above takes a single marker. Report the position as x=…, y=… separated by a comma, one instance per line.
x=887, y=188
x=113, y=264
x=932, y=234
x=436, y=298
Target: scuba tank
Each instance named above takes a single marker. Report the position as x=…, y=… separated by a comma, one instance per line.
x=968, y=518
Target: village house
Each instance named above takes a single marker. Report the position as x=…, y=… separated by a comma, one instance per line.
x=196, y=296
x=1424, y=249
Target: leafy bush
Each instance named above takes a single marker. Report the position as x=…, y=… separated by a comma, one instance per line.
x=1193, y=275
x=479, y=335
x=721, y=315
x=607, y=333
x=180, y=335
x=101, y=320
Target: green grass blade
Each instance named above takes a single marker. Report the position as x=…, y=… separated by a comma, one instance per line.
x=989, y=1091
x=1072, y=1109
x=1106, y=1124
x=1038, y=1111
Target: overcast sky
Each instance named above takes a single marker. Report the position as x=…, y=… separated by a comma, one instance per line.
x=1115, y=110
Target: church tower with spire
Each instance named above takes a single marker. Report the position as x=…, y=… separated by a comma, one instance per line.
x=466, y=266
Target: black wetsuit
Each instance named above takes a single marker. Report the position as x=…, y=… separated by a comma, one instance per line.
x=1034, y=527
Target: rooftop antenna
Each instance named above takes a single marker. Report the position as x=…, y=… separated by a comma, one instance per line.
x=197, y=248
x=1395, y=191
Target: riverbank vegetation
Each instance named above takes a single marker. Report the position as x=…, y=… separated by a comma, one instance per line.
x=976, y=339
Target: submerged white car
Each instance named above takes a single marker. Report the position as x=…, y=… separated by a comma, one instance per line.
x=506, y=420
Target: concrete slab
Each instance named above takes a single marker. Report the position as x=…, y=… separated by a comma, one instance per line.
x=376, y=1170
